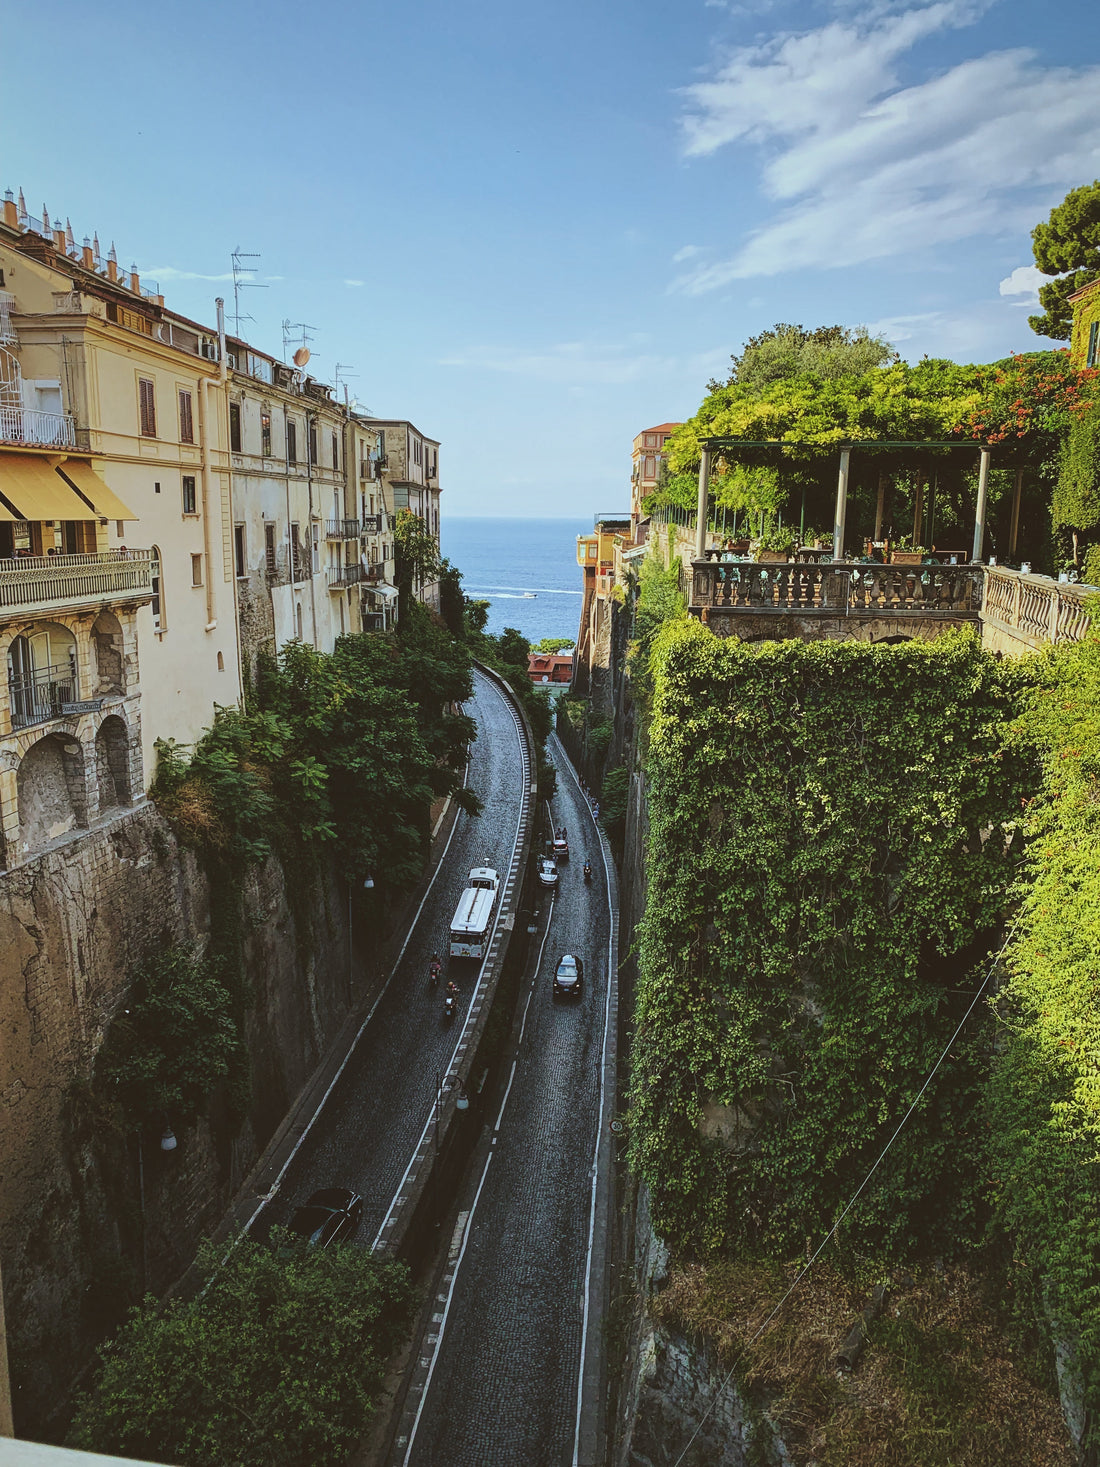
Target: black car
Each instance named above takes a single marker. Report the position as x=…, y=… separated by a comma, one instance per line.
x=330, y=1214
x=569, y=978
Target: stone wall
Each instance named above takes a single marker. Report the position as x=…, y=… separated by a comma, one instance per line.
x=90, y=1217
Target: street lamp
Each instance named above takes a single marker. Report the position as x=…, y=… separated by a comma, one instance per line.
x=168, y=1140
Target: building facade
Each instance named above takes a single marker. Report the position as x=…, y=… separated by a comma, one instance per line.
x=410, y=474
x=647, y=467
x=1085, y=341
x=117, y=609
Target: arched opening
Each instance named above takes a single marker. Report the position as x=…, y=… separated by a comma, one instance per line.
x=112, y=763
x=42, y=673
x=50, y=786
x=107, y=644
x=221, y=662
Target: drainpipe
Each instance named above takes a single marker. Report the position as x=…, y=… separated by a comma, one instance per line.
x=207, y=518
x=223, y=378
x=311, y=418
x=289, y=536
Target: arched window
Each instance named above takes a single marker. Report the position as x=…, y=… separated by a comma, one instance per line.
x=42, y=673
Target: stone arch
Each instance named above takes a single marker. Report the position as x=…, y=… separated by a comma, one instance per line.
x=42, y=672
x=112, y=762
x=108, y=648
x=51, y=790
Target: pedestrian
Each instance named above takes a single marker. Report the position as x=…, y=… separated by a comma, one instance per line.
x=596, y=810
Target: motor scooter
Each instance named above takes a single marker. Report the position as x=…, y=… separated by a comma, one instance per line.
x=450, y=1003
x=587, y=874
x=434, y=968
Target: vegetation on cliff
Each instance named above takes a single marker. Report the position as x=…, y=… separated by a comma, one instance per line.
x=276, y=1363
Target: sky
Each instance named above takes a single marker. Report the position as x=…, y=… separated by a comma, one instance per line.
x=536, y=230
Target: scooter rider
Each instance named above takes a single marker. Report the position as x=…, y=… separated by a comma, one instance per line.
x=587, y=871
x=434, y=968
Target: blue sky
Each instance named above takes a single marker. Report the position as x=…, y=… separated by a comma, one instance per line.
x=537, y=230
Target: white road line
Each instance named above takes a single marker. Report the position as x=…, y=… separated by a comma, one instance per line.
x=596, y=1147
x=471, y=1013
x=446, y=1311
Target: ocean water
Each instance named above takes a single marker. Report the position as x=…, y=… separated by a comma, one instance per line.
x=500, y=559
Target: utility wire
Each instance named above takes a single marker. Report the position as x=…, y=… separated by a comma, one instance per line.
x=831, y=1234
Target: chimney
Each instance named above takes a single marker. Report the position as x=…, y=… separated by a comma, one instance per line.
x=11, y=213
x=87, y=258
x=135, y=280
x=112, y=262
x=59, y=243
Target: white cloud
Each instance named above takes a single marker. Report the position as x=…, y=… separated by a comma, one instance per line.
x=686, y=253
x=354, y=282
x=1024, y=280
x=169, y=272
x=861, y=167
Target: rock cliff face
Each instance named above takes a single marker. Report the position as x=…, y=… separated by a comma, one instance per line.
x=91, y=1217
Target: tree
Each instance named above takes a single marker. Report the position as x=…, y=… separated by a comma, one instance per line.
x=416, y=557
x=550, y=645
x=452, y=603
x=792, y=351
x=278, y=1361
x=1068, y=246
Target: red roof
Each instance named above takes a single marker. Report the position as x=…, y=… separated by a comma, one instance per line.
x=662, y=428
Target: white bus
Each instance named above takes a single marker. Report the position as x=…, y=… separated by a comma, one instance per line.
x=474, y=914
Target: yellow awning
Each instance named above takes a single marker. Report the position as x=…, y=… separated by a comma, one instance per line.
x=82, y=476
x=32, y=488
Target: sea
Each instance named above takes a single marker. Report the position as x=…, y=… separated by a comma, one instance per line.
x=526, y=569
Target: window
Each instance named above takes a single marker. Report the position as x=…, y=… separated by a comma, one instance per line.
x=158, y=602
x=196, y=570
x=381, y=443
x=221, y=662
x=269, y=548
x=313, y=443
x=650, y=470
x=1092, y=356
x=335, y=451
x=291, y=441
x=265, y=434
x=315, y=558
x=235, y=426
x=295, y=555
x=147, y=404
x=651, y=440
x=187, y=422
x=156, y=487
x=238, y=551
x=189, y=494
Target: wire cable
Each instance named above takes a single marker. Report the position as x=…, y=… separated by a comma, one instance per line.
x=831, y=1234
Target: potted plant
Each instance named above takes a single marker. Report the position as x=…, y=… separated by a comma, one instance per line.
x=906, y=553
x=774, y=545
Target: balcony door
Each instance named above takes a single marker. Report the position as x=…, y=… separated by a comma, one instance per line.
x=41, y=674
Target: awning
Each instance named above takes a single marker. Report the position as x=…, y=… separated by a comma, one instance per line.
x=87, y=482
x=387, y=592
x=35, y=492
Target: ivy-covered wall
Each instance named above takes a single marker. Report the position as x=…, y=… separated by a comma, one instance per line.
x=841, y=836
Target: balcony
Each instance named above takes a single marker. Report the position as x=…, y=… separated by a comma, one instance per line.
x=27, y=425
x=341, y=576
x=372, y=524
x=45, y=582
x=1031, y=610
x=342, y=530
x=41, y=695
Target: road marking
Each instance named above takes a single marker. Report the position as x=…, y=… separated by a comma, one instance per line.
x=446, y=1311
x=599, y=1131
x=475, y=1002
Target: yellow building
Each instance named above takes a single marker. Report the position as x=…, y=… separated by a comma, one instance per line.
x=1085, y=342
x=117, y=600
x=409, y=464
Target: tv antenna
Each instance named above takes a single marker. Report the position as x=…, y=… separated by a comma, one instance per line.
x=342, y=370
x=240, y=283
x=289, y=339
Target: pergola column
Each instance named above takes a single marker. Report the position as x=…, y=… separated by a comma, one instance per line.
x=880, y=505
x=841, y=513
x=980, y=510
x=1016, y=513
x=701, y=518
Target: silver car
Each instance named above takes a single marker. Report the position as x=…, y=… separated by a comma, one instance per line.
x=569, y=979
x=548, y=872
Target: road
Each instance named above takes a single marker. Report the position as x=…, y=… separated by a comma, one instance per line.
x=376, y=1111
x=506, y=1335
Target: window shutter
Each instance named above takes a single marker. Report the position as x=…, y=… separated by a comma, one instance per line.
x=148, y=407
x=187, y=426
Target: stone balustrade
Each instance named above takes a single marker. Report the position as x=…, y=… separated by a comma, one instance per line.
x=836, y=588
x=1025, y=611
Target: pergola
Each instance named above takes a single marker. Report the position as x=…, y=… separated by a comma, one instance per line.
x=713, y=446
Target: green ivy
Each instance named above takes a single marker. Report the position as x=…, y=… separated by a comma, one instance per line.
x=833, y=832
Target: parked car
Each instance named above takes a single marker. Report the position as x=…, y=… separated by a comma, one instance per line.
x=548, y=872
x=329, y=1215
x=569, y=978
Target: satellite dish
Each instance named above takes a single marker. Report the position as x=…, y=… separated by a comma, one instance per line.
x=301, y=356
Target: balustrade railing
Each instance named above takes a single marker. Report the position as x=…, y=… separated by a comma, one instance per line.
x=870, y=589
x=342, y=530
x=39, y=695
x=27, y=425
x=340, y=576
x=1036, y=608
x=372, y=524
x=47, y=580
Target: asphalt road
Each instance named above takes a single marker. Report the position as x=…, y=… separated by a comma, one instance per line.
x=506, y=1334
x=377, y=1110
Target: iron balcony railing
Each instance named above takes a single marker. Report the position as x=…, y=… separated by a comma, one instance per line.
x=372, y=524
x=342, y=530
x=340, y=576
x=27, y=425
x=36, y=582
x=39, y=695
x=8, y=333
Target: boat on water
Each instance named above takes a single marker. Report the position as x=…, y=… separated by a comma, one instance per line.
x=530, y=595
